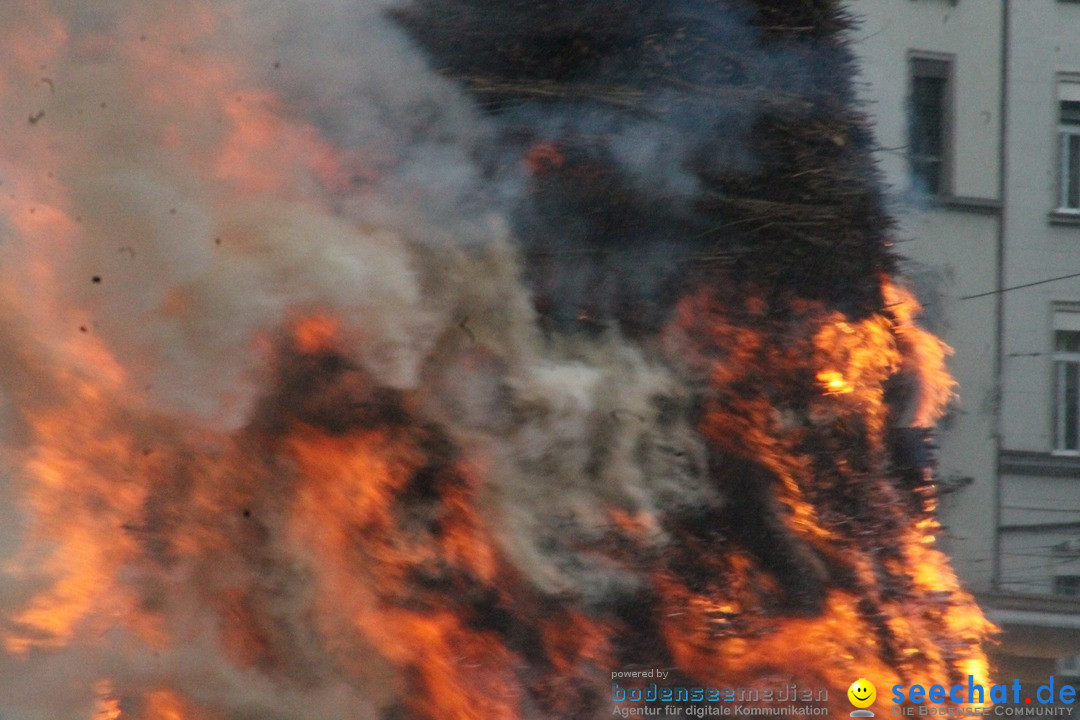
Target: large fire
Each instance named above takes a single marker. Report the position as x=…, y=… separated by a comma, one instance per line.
x=302, y=418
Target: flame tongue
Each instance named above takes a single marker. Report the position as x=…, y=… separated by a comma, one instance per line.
x=292, y=438
x=342, y=526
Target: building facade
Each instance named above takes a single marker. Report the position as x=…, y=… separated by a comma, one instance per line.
x=976, y=109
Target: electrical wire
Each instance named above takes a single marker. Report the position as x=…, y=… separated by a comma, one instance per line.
x=1018, y=287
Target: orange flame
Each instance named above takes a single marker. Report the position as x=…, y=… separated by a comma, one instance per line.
x=316, y=333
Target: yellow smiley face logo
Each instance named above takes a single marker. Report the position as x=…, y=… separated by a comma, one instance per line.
x=862, y=693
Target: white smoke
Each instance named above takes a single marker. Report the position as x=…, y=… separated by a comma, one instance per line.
x=203, y=184
x=180, y=181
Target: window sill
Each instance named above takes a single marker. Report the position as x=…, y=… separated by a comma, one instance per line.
x=1065, y=217
x=962, y=203
x=1058, y=463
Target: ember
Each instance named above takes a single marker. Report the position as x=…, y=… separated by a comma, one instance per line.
x=539, y=344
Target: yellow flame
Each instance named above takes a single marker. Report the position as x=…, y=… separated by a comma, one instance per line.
x=834, y=382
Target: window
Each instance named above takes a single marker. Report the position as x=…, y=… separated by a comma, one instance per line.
x=930, y=123
x=1069, y=666
x=1067, y=585
x=1069, y=133
x=1067, y=382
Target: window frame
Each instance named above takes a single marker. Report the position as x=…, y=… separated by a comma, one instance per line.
x=1065, y=135
x=1068, y=138
x=1066, y=318
x=1062, y=361
x=1065, y=586
x=924, y=63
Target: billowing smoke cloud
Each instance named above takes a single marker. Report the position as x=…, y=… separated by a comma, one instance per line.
x=179, y=185
x=191, y=177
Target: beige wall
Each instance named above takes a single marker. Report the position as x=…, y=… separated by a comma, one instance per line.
x=1046, y=37
x=956, y=245
x=961, y=247
x=1002, y=434
x=971, y=31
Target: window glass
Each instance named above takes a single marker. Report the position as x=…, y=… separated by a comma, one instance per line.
x=1067, y=341
x=928, y=125
x=1070, y=155
x=1067, y=389
x=1067, y=585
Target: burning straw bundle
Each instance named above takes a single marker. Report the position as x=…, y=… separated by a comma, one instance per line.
x=458, y=361
x=688, y=132
x=705, y=184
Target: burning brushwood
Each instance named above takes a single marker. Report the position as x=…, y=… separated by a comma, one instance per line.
x=539, y=346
